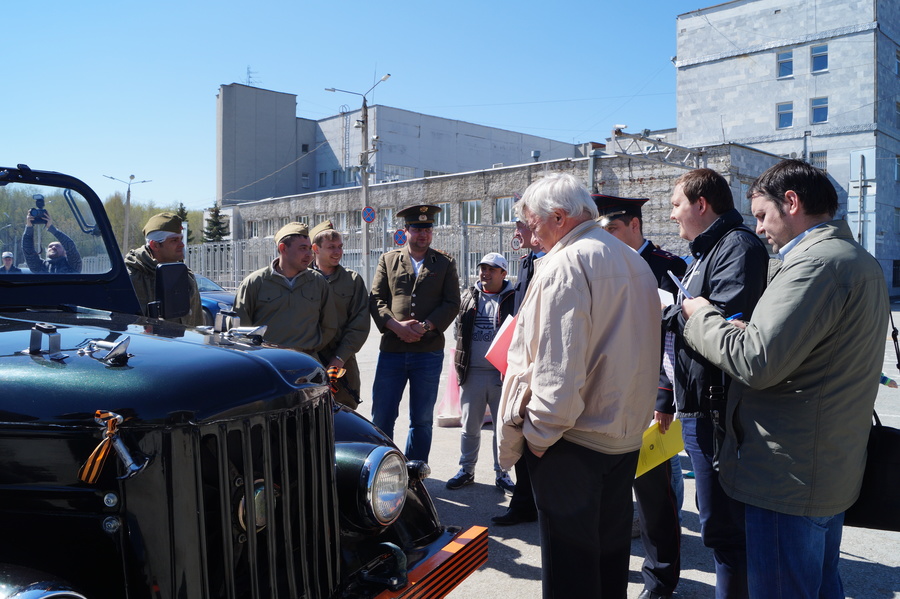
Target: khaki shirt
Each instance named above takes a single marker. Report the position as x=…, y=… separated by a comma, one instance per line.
x=397, y=293
x=302, y=317
x=142, y=270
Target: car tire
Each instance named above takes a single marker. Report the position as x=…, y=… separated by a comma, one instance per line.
x=208, y=319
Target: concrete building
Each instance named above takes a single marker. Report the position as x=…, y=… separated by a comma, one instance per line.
x=818, y=80
x=263, y=150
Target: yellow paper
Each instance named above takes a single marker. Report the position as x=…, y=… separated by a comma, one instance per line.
x=657, y=448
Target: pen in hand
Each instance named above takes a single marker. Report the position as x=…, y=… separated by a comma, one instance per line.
x=735, y=315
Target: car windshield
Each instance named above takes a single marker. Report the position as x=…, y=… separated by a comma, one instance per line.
x=205, y=284
x=48, y=230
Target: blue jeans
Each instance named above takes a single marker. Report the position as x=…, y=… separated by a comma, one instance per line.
x=721, y=517
x=422, y=370
x=793, y=556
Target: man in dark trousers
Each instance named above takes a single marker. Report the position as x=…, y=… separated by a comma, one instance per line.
x=521, y=505
x=414, y=298
x=657, y=504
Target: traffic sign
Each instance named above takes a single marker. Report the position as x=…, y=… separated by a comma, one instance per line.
x=400, y=237
x=368, y=214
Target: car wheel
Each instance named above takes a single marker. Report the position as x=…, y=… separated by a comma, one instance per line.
x=208, y=319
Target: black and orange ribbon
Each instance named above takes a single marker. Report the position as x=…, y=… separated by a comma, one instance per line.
x=334, y=373
x=91, y=469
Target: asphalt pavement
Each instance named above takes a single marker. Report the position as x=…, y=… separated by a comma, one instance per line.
x=870, y=559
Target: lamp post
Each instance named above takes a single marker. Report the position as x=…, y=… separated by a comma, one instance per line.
x=364, y=167
x=126, y=238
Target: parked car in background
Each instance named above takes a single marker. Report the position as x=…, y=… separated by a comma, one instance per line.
x=213, y=297
x=141, y=459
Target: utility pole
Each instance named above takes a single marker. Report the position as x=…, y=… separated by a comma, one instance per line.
x=126, y=238
x=364, y=169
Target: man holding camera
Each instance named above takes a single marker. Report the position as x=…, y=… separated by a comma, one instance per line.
x=62, y=255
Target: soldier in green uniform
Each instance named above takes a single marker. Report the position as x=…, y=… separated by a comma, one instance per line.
x=414, y=298
x=351, y=301
x=293, y=301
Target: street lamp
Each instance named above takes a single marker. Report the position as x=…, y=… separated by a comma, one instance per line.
x=364, y=167
x=126, y=245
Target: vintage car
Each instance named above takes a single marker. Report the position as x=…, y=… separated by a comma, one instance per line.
x=142, y=459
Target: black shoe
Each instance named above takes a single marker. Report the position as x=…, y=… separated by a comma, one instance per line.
x=648, y=594
x=514, y=517
x=461, y=479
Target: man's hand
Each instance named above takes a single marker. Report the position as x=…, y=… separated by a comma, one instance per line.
x=664, y=420
x=29, y=220
x=409, y=331
x=336, y=362
x=689, y=306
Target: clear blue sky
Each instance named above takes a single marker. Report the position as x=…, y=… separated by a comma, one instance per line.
x=119, y=88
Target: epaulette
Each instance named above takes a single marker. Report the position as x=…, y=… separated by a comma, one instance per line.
x=658, y=251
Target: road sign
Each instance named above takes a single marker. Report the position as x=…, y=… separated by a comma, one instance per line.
x=368, y=214
x=400, y=237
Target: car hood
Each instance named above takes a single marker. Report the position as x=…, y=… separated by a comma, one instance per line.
x=218, y=296
x=214, y=378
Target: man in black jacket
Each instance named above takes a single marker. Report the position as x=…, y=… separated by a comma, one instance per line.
x=729, y=268
x=62, y=255
x=657, y=499
x=484, y=308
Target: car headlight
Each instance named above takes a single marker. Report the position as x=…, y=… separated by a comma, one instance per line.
x=385, y=480
x=224, y=306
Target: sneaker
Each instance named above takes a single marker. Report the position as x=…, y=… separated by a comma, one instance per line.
x=505, y=483
x=461, y=479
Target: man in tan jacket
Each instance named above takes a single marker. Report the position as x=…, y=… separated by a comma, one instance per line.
x=580, y=388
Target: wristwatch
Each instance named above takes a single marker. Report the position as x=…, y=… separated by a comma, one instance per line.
x=425, y=325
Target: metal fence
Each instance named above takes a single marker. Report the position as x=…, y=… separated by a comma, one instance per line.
x=229, y=262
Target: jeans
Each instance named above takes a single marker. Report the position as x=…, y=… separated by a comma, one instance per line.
x=793, y=557
x=721, y=517
x=584, y=510
x=677, y=482
x=481, y=389
x=422, y=370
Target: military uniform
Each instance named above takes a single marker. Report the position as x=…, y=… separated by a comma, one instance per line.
x=400, y=294
x=351, y=303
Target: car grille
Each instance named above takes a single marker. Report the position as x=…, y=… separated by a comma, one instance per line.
x=285, y=459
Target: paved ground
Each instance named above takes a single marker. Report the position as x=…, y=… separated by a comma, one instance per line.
x=870, y=560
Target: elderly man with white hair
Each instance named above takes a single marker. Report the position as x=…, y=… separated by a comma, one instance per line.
x=580, y=386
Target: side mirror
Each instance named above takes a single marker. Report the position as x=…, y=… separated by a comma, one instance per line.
x=173, y=291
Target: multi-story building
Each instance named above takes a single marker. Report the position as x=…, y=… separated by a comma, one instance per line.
x=263, y=150
x=813, y=79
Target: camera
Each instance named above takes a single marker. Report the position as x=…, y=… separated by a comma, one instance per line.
x=38, y=213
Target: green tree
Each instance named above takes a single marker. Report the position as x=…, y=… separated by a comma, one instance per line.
x=182, y=213
x=216, y=225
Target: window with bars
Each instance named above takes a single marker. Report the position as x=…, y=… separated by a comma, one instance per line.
x=819, y=160
x=784, y=64
x=251, y=229
x=442, y=218
x=356, y=220
x=471, y=212
x=340, y=221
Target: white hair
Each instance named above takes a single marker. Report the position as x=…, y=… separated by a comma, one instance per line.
x=558, y=191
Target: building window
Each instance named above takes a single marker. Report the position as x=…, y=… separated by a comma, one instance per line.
x=304, y=180
x=251, y=229
x=471, y=212
x=819, y=58
x=304, y=148
x=340, y=221
x=337, y=177
x=393, y=172
x=896, y=277
x=785, y=115
x=442, y=218
x=429, y=173
x=504, y=212
x=897, y=63
x=897, y=115
x=785, y=66
x=356, y=220
x=897, y=172
x=818, y=109
x=819, y=160
x=323, y=179
x=387, y=217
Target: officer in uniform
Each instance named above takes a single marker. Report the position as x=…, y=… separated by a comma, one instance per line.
x=351, y=302
x=414, y=298
x=657, y=504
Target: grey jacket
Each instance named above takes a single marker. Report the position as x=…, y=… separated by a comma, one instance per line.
x=805, y=374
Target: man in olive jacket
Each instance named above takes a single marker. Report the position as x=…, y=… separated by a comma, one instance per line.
x=805, y=373
x=414, y=298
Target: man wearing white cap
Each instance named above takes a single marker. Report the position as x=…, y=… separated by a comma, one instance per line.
x=8, y=268
x=165, y=245
x=484, y=307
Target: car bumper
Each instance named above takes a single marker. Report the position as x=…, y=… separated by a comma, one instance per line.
x=442, y=572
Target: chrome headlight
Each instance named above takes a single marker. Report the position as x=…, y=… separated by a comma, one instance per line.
x=385, y=480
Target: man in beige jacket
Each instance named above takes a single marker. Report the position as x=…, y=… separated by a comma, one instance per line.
x=579, y=390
